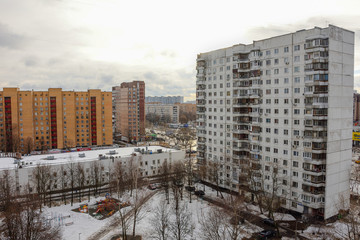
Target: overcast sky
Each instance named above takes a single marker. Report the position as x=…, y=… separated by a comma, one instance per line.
x=82, y=44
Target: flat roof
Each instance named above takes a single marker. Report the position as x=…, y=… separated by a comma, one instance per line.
x=64, y=158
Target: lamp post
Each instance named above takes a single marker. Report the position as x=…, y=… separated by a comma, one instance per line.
x=79, y=235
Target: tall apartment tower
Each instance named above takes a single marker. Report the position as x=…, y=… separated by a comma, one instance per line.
x=281, y=109
x=129, y=109
x=54, y=119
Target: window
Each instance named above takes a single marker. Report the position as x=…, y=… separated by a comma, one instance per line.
x=276, y=81
x=297, y=59
x=268, y=62
x=286, y=80
x=297, y=80
x=276, y=61
x=276, y=50
x=268, y=81
x=297, y=111
x=286, y=90
x=286, y=49
x=276, y=71
x=297, y=69
x=286, y=70
x=297, y=48
x=268, y=52
x=295, y=164
x=296, y=90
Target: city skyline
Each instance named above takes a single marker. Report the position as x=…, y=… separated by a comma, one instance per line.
x=98, y=44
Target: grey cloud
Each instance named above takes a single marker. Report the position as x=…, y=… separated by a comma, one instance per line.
x=107, y=78
x=9, y=39
x=30, y=61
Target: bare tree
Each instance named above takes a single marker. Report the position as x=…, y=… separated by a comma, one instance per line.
x=71, y=169
x=118, y=178
x=212, y=225
x=28, y=145
x=22, y=218
x=125, y=221
x=133, y=173
x=214, y=172
x=165, y=178
x=138, y=208
x=160, y=221
x=96, y=175
x=181, y=227
x=42, y=174
x=80, y=179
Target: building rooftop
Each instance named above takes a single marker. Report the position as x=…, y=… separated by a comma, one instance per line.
x=79, y=156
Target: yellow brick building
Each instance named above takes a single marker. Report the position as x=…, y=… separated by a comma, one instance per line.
x=54, y=119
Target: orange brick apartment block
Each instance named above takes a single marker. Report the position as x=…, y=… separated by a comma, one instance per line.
x=54, y=119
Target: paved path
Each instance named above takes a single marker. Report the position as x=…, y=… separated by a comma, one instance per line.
x=115, y=222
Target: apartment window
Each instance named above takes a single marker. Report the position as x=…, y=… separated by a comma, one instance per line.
x=268, y=52
x=297, y=80
x=276, y=50
x=286, y=70
x=268, y=130
x=286, y=80
x=268, y=62
x=285, y=152
x=296, y=132
x=286, y=90
x=276, y=81
x=297, y=111
x=297, y=59
x=286, y=49
x=295, y=164
x=268, y=101
x=297, y=122
x=295, y=184
x=268, y=81
x=276, y=71
x=297, y=69
x=268, y=91
x=296, y=153
x=267, y=149
x=286, y=121
x=276, y=101
x=286, y=142
x=276, y=91
x=276, y=61
x=297, y=48
x=286, y=132
x=268, y=72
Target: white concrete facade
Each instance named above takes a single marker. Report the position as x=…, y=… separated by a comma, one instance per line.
x=149, y=161
x=282, y=103
x=163, y=110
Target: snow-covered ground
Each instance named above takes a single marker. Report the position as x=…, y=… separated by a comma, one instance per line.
x=77, y=223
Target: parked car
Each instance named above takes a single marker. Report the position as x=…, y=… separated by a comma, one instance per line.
x=152, y=186
x=199, y=193
x=269, y=221
x=266, y=234
x=190, y=188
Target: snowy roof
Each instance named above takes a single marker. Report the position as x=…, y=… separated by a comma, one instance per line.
x=63, y=158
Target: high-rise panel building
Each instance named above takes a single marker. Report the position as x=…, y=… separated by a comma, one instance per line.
x=165, y=100
x=129, y=109
x=281, y=109
x=54, y=119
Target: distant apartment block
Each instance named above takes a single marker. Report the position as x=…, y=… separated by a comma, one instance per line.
x=281, y=107
x=54, y=119
x=129, y=109
x=166, y=112
x=165, y=100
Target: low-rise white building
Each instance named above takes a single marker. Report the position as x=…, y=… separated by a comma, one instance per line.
x=163, y=111
x=149, y=161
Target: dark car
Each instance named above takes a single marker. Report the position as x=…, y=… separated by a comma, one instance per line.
x=199, y=193
x=266, y=234
x=152, y=186
x=190, y=188
x=269, y=221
